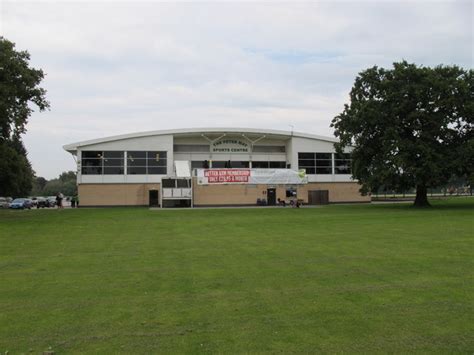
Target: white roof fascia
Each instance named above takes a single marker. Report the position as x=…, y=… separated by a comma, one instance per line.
x=74, y=146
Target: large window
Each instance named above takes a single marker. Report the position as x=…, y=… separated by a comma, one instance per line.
x=146, y=162
x=269, y=165
x=315, y=163
x=342, y=163
x=102, y=163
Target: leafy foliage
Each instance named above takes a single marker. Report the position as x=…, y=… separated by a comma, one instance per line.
x=65, y=183
x=15, y=170
x=410, y=126
x=19, y=93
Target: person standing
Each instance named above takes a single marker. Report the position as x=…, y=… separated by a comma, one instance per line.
x=59, y=200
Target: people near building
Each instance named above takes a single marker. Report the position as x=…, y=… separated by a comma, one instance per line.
x=59, y=200
x=73, y=201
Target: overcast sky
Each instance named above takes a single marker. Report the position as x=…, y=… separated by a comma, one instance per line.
x=116, y=68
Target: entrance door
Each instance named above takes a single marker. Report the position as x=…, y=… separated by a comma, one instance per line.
x=271, y=197
x=153, y=200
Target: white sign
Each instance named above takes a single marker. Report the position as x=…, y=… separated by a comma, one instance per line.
x=230, y=146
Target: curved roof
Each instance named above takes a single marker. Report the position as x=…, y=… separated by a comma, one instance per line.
x=271, y=133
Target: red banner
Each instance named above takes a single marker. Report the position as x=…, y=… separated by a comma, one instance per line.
x=224, y=175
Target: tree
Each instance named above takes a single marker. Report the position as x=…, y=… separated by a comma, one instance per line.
x=410, y=126
x=19, y=93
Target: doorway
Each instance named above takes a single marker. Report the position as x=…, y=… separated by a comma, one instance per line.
x=271, y=197
x=153, y=198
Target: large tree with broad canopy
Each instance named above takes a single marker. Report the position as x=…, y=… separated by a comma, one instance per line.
x=410, y=127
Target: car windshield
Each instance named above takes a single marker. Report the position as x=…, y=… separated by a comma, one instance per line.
x=18, y=200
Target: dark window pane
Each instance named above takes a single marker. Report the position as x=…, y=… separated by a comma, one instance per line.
x=183, y=183
x=136, y=162
x=91, y=154
x=342, y=166
x=197, y=164
x=168, y=183
x=91, y=162
x=326, y=156
x=113, y=162
x=342, y=156
x=321, y=163
x=91, y=170
x=136, y=170
x=157, y=171
x=152, y=162
x=278, y=164
x=307, y=163
x=157, y=155
x=309, y=170
x=324, y=170
x=218, y=164
x=113, y=170
x=240, y=164
x=260, y=165
x=113, y=154
x=305, y=155
x=136, y=155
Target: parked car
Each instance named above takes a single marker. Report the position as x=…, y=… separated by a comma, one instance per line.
x=21, y=203
x=41, y=202
x=4, y=203
x=51, y=201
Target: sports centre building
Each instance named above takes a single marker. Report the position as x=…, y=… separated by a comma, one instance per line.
x=212, y=167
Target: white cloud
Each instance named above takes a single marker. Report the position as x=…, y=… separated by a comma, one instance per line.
x=120, y=67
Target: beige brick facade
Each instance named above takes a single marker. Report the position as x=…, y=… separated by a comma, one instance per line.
x=205, y=195
x=115, y=194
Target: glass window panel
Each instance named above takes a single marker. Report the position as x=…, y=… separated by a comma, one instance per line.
x=168, y=183
x=278, y=164
x=324, y=170
x=113, y=170
x=323, y=156
x=91, y=154
x=218, y=164
x=136, y=170
x=113, y=154
x=343, y=166
x=136, y=155
x=183, y=183
x=321, y=163
x=113, y=162
x=199, y=164
x=240, y=164
x=91, y=162
x=310, y=171
x=156, y=155
x=136, y=162
x=157, y=170
x=342, y=156
x=308, y=163
x=152, y=162
x=91, y=170
x=260, y=165
x=305, y=155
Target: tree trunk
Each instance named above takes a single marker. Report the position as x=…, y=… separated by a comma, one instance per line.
x=421, y=199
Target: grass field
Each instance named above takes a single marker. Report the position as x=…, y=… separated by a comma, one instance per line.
x=362, y=278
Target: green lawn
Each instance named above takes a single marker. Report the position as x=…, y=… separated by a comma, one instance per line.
x=361, y=278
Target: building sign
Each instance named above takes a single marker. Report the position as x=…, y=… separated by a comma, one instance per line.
x=250, y=176
x=230, y=146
